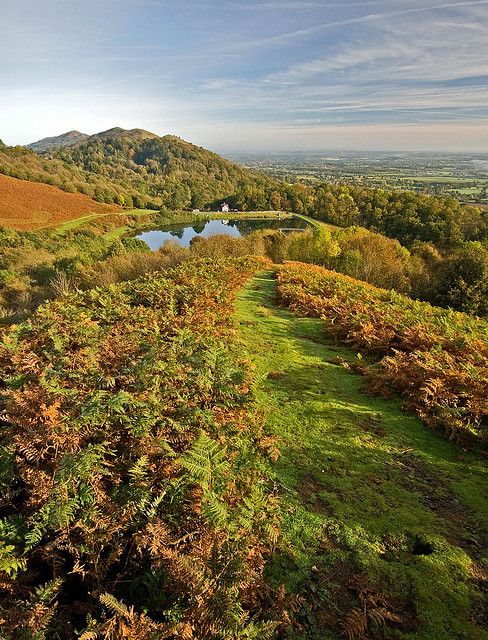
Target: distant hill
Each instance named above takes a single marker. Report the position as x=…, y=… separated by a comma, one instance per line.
x=64, y=140
x=117, y=132
x=29, y=205
x=138, y=168
x=47, y=145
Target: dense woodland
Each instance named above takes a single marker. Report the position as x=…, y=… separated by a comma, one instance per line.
x=138, y=171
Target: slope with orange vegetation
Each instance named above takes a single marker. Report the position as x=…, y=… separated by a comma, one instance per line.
x=27, y=206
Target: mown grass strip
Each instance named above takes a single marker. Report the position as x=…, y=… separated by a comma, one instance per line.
x=380, y=516
x=318, y=223
x=78, y=222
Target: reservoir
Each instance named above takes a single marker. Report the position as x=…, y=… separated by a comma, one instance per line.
x=236, y=227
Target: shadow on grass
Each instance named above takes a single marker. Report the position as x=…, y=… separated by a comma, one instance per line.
x=366, y=489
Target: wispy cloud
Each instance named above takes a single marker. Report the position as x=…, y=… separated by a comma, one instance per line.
x=110, y=38
x=284, y=38
x=291, y=64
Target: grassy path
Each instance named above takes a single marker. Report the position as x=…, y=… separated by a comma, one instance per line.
x=318, y=223
x=374, y=505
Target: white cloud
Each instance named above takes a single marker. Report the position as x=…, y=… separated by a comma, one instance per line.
x=382, y=16
x=301, y=65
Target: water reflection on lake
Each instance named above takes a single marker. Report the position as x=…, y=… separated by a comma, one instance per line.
x=206, y=228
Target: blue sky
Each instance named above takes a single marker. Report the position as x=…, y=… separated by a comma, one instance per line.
x=256, y=75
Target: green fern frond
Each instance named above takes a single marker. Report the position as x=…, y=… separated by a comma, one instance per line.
x=118, y=402
x=113, y=605
x=10, y=562
x=39, y=528
x=138, y=471
x=214, y=511
x=224, y=611
x=7, y=468
x=259, y=631
x=205, y=460
x=48, y=591
x=13, y=530
x=150, y=507
x=227, y=565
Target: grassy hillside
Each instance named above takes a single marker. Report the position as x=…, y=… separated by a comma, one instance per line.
x=27, y=206
x=163, y=475
x=436, y=358
x=384, y=524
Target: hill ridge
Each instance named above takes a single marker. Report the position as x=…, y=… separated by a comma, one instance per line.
x=140, y=169
x=52, y=142
x=71, y=138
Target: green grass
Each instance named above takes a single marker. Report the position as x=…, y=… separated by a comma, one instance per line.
x=365, y=489
x=73, y=224
x=318, y=223
x=471, y=190
x=116, y=233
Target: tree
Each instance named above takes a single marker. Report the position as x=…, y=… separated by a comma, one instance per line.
x=465, y=283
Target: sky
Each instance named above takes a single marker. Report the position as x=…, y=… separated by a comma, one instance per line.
x=254, y=75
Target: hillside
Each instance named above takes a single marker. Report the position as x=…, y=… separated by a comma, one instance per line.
x=28, y=205
x=138, y=168
x=137, y=466
x=64, y=140
x=174, y=468
x=48, y=145
x=160, y=170
x=435, y=358
x=117, y=132
x=384, y=525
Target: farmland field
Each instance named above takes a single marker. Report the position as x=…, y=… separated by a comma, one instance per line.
x=462, y=176
x=27, y=206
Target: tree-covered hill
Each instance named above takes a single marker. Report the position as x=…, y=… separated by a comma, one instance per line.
x=64, y=140
x=138, y=168
x=160, y=171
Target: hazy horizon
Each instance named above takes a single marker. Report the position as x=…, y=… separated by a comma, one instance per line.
x=233, y=77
